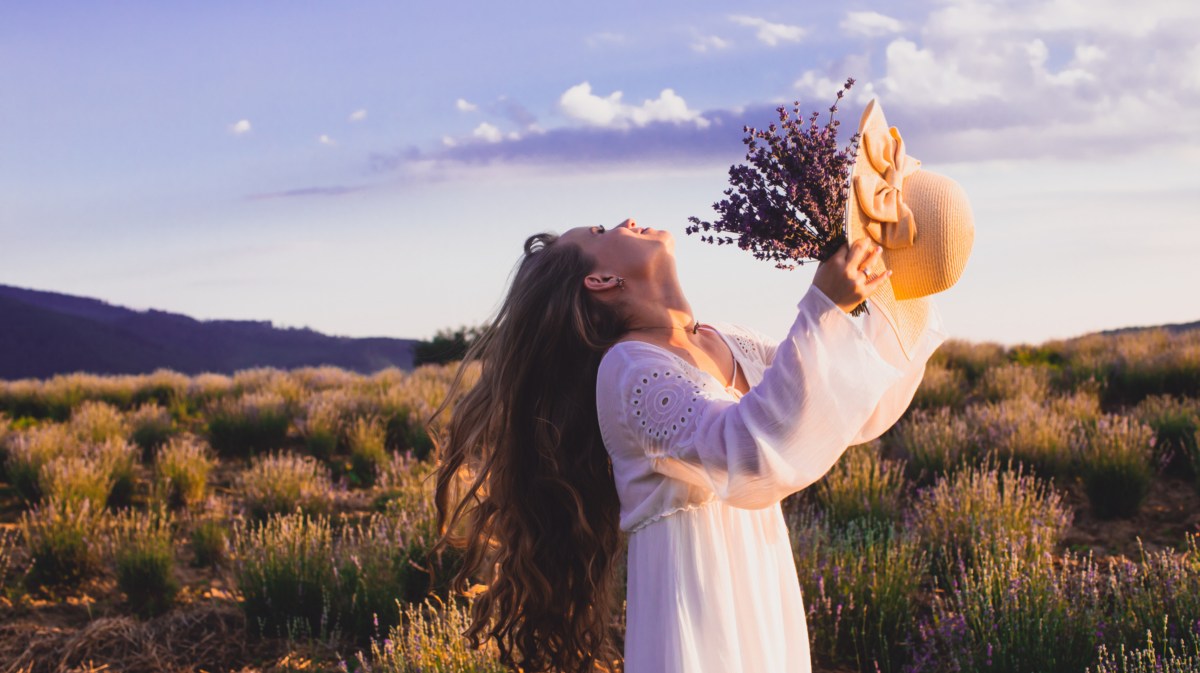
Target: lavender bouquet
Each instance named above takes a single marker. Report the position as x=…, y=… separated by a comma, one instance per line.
x=787, y=203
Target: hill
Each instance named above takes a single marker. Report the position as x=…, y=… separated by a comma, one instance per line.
x=47, y=333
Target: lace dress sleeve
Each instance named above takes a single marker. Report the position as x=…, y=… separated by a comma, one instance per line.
x=822, y=390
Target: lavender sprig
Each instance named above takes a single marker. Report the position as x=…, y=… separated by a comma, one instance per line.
x=787, y=203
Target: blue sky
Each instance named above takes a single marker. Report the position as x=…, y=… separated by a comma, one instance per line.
x=371, y=168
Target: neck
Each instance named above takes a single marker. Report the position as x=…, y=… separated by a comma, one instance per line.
x=660, y=309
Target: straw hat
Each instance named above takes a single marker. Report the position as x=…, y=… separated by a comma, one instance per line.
x=921, y=219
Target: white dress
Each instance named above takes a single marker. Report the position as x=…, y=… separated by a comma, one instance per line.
x=701, y=470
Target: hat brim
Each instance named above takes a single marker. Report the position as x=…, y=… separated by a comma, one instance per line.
x=907, y=317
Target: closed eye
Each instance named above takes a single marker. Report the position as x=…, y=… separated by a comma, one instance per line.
x=598, y=229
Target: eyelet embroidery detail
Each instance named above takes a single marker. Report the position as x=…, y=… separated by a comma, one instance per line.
x=663, y=401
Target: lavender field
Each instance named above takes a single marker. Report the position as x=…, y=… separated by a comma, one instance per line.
x=1038, y=509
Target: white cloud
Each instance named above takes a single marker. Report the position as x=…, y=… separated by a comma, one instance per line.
x=240, y=127
x=923, y=77
x=326, y=140
x=580, y=104
x=709, y=42
x=464, y=105
x=358, y=115
x=488, y=133
x=870, y=24
x=771, y=34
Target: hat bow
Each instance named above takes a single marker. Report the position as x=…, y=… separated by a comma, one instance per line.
x=880, y=190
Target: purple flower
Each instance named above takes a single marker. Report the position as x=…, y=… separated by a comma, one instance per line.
x=787, y=204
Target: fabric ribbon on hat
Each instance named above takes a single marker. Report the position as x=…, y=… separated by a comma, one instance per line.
x=880, y=188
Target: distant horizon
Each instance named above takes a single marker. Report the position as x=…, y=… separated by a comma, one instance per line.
x=277, y=325
x=373, y=169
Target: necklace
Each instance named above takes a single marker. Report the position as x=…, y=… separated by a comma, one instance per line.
x=694, y=329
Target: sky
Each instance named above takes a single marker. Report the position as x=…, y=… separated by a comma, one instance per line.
x=371, y=168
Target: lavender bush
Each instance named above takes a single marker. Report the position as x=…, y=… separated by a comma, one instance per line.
x=428, y=639
x=254, y=423
x=1117, y=462
x=278, y=483
x=65, y=543
x=1028, y=431
x=861, y=584
x=863, y=486
x=285, y=569
x=181, y=471
x=1175, y=421
x=981, y=510
x=934, y=443
x=1009, y=612
x=144, y=559
x=1013, y=380
x=941, y=386
x=150, y=427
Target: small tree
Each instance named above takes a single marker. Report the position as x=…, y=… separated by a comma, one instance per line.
x=447, y=345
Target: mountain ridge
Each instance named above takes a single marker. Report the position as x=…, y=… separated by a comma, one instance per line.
x=43, y=333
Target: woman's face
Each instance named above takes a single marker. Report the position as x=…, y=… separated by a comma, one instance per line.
x=625, y=250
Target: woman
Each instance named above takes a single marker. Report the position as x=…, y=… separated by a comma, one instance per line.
x=603, y=407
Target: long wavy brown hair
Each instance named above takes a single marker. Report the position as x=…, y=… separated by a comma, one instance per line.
x=524, y=483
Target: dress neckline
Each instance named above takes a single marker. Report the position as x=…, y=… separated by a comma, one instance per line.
x=737, y=365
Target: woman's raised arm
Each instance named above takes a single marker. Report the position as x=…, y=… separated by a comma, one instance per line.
x=828, y=386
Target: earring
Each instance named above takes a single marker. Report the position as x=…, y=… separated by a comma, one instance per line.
x=620, y=283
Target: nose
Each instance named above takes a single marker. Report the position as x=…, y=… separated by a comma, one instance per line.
x=630, y=223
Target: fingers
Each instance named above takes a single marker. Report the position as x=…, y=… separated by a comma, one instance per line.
x=875, y=283
x=859, y=251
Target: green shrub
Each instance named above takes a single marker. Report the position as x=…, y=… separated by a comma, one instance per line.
x=210, y=545
x=321, y=425
x=71, y=479
x=368, y=453
x=1011, y=612
x=144, y=558
x=162, y=388
x=1160, y=590
x=981, y=509
x=98, y=422
x=181, y=471
x=1013, y=381
x=1196, y=458
x=935, y=442
x=1117, y=463
x=1152, y=657
x=972, y=359
x=863, y=485
x=31, y=449
x=252, y=424
x=1175, y=421
x=120, y=458
x=64, y=541
x=1026, y=431
x=7, y=547
x=279, y=483
x=1081, y=406
x=429, y=639
x=406, y=495
x=375, y=569
x=150, y=427
x=284, y=568
x=1153, y=362
x=861, y=583
x=941, y=386
x=5, y=431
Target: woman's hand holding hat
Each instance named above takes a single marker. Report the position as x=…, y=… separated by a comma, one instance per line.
x=845, y=278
